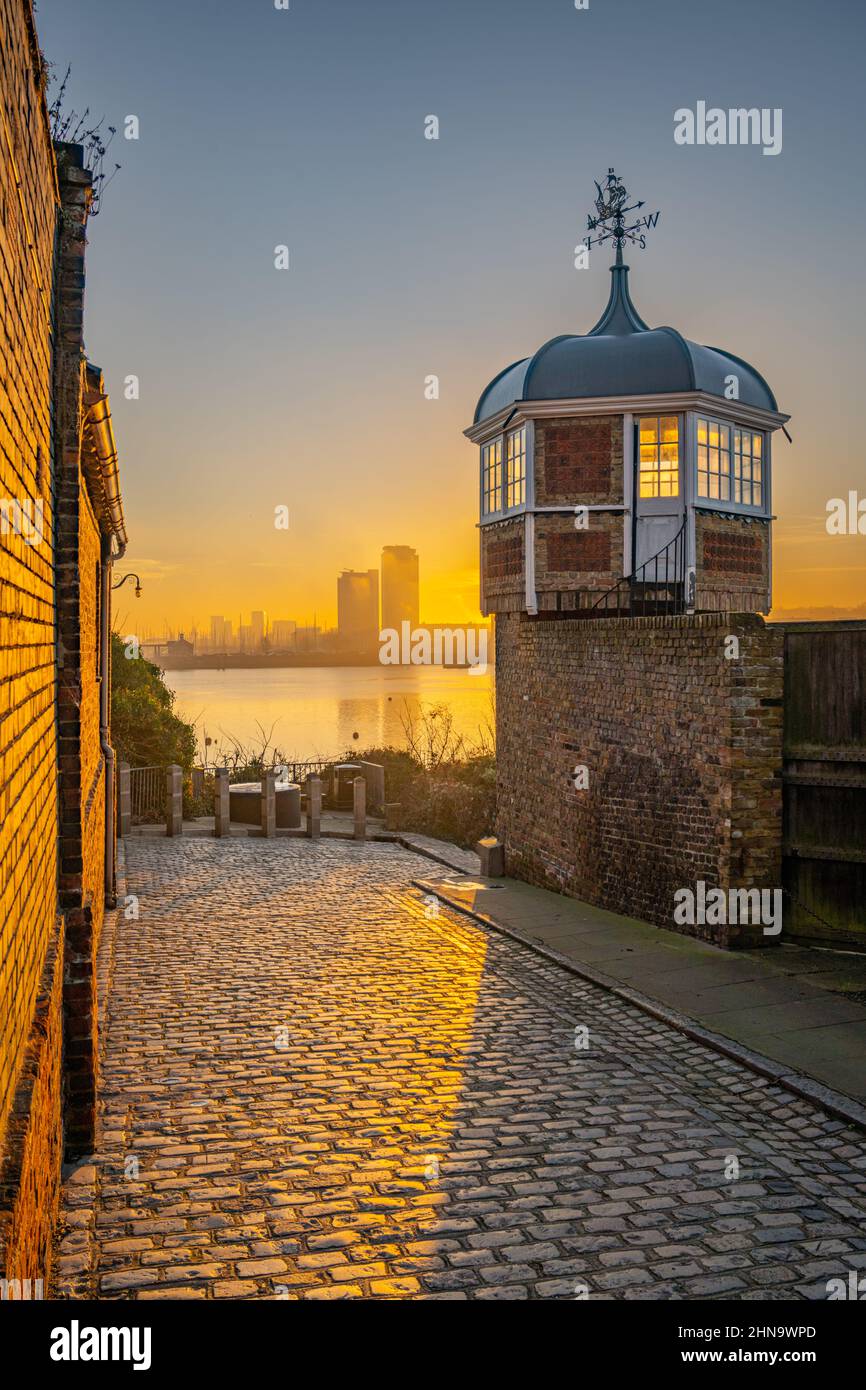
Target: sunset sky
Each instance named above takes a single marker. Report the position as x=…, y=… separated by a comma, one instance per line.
x=411, y=257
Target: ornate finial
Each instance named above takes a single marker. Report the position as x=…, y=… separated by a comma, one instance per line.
x=612, y=208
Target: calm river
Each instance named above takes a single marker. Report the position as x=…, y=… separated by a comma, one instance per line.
x=317, y=711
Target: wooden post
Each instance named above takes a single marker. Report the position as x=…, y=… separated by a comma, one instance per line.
x=124, y=800
x=174, y=800
x=314, y=807
x=360, y=805
x=269, y=804
x=221, y=812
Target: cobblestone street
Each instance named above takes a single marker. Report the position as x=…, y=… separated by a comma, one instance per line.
x=317, y=1085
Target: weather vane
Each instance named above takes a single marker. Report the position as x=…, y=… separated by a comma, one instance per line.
x=612, y=210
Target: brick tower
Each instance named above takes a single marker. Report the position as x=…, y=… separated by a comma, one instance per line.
x=625, y=529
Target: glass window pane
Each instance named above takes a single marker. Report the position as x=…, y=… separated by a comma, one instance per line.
x=756, y=445
x=702, y=431
x=648, y=430
x=670, y=429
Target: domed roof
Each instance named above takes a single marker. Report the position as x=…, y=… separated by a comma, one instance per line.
x=622, y=356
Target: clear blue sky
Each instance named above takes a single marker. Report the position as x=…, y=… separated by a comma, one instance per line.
x=454, y=257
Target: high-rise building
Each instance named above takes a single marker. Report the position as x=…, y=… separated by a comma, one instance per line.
x=258, y=628
x=399, y=586
x=218, y=633
x=358, y=610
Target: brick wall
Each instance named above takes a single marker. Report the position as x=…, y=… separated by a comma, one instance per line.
x=579, y=460
x=82, y=772
x=573, y=567
x=29, y=936
x=683, y=748
x=732, y=562
x=503, y=586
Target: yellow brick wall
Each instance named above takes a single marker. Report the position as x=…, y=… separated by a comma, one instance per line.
x=92, y=765
x=28, y=779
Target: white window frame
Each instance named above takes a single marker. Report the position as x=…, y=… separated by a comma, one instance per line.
x=486, y=491
x=730, y=504
x=501, y=439
x=647, y=505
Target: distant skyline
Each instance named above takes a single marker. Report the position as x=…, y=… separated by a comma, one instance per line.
x=413, y=258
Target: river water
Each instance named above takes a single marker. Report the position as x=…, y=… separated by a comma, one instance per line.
x=311, y=712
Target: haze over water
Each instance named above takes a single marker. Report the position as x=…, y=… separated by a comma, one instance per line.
x=316, y=711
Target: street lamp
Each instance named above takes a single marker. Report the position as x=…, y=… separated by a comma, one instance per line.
x=122, y=581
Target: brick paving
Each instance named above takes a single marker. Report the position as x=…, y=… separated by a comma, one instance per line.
x=318, y=1085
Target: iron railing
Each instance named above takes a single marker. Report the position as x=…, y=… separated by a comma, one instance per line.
x=147, y=793
x=657, y=586
x=287, y=771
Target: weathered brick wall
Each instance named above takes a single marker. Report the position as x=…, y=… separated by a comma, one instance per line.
x=683, y=749
x=81, y=772
x=92, y=760
x=29, y=1036
x=732, y=563
x=579, y=460
x=573, y=567
x=503, y=585
x=33, y=1140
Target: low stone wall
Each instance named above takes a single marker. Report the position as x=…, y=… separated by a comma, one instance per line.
x=682, y=744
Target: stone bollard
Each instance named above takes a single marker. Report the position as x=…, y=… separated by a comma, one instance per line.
x=197, y=783
x=174, y=800
x=269, y=804
x=491, y=852
x=360, y=806
x=221, y=813
x=314, y=807
x=124, y=800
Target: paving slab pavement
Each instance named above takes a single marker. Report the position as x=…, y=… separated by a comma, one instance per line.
x=803, y=1007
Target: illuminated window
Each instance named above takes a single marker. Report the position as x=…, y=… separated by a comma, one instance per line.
x=491, y=476
x=659, y=444
x=748, y=468
x=730, y=464
x=714, y=460
x=515, y=468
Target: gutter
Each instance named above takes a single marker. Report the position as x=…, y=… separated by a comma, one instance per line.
x=113, y=527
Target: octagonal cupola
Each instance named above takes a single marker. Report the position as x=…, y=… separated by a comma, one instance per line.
x=625, y=470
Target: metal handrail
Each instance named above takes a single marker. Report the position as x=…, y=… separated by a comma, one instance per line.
x=632, y=591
